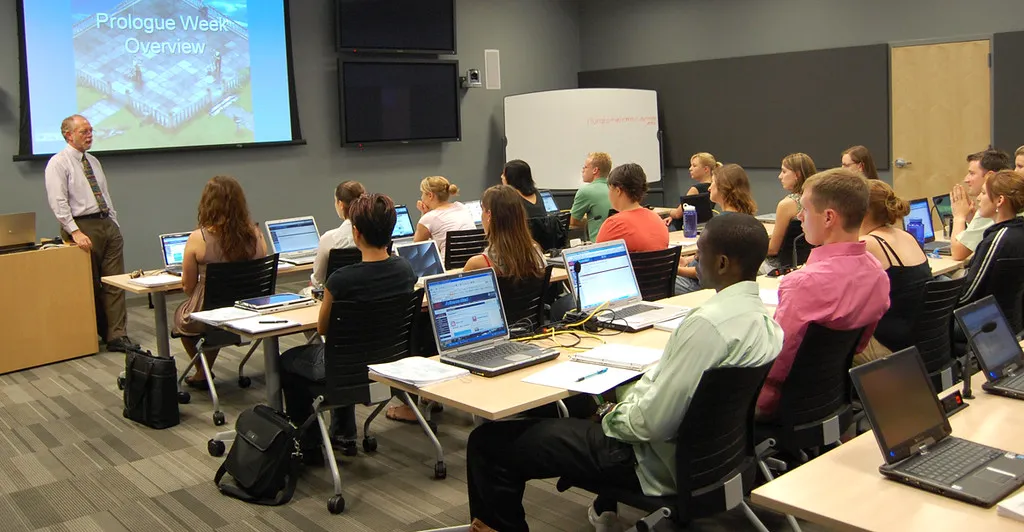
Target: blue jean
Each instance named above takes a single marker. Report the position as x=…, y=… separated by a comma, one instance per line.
x=303, y=378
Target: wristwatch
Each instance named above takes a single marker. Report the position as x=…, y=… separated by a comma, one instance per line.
x=603, y=409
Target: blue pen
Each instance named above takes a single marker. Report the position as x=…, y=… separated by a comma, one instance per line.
x=594, y=374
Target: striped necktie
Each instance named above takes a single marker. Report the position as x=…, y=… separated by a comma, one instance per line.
x=87, y=168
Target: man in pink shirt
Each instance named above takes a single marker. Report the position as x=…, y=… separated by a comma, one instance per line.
x=841, y=287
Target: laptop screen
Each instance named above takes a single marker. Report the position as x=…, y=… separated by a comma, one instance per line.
x=549, y=202
x=299, y=234
x=605, y=274
x=900, y=402
x=475, y=210
x=943, y=205
x=174, y=248
x=466, y=309
x=403, y=224
x=994, y=349
x=919, y=209
x=423, y=257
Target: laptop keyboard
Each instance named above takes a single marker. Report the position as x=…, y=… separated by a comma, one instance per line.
x=299, y=254
x=634, y=310
x=1015, y=382
x=498, y=351
x=951, y=462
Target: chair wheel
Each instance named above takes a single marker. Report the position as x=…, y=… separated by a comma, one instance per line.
x=184, y=397
x=120, y=383
x=218, y=418
x=433, y=426
x=440, y=471
x=215, y=447
x=244, y=382
x=369, y=444
x=336, y=504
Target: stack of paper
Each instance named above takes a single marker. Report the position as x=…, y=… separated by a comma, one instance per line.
x=670, y=325
x=583, y=378
x=219, y=316
x=620, y=356
x=155, y=280
x=770, y=297
x=1012, y=507
x=259, y=324
x=417, y=371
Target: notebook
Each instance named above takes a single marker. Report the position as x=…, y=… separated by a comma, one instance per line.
x=296, y=239
x=622, y=356
x=173, y=247
x=580, y=377
x=418, y=371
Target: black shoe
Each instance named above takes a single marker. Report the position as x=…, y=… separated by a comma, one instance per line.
x=122, y=345
x=347, y=447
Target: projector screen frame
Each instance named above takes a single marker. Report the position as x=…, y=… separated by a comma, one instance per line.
x=25, y=152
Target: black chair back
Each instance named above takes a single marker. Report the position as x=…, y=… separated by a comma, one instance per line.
x=227, y=282
x=548, y=232
x=363, y=333
x=702, y=202
x=461, y=245
x=656, y=272
x=794, y=249
x=1007, y=285
x=341, y=257
x=563, y=219
x=932, y=328
x=523, y=300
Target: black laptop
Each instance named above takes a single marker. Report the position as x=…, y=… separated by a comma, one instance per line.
x=915, y=436
x=919, y=209
x=998, y=352
x=701, y=202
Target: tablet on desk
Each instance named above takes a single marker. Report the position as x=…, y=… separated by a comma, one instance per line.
x=274, y=302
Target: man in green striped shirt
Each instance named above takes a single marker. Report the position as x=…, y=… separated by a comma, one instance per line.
x=632, y=447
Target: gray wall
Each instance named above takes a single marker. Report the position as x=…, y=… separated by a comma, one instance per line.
x=539, y=44
x=619, y=34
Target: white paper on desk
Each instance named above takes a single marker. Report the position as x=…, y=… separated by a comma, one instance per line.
x=770, y=296
x=256, y=325
x=670, y=325
x=218, y=316
x=629, y=357
x=564, y=375
x=155, y=280
x=1012, y=507
x=418, y=371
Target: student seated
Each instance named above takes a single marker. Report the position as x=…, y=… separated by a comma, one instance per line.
x=518, y=175
x=730, y=189
x=1001, y=200
x=904, y=263
x=1018, y=160
x=440, y=215
x=859, y=159
x=968, y=226
x=590, y=204
x=796, y=168
x=641, y=228
x=339, y=237
x=702, y=166
x=511, y=250
x=632, y=447
x=379, y=276
x=226, y=233
x=841, y=287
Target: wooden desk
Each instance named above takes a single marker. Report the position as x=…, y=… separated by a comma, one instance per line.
x=843, y=489
x=159, y=293
x=663, y=211
x=50, y=312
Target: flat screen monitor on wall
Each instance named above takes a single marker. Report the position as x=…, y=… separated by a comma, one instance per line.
x=399, y=101
x=156, y=74
x=417, y=26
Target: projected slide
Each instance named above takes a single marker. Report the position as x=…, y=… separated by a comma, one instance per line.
x=158, y=73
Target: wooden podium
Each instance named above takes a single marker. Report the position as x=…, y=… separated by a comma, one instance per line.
x=49, y=313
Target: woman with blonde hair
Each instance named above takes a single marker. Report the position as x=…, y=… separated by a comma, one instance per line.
x=903, y=261
x=796, y=168
x=511, y=250
x=440, y=214
x=226, y=233
x=702, y=165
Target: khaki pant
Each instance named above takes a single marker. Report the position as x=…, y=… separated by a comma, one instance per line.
x=107, y=259
x=874, y=351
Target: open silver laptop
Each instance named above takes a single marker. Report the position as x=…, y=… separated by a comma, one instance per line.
x=606, y=278
x=404, y=230
x=17, y=231
x=295, y=239
x=423, y=257
x=470, y=327
x=476, y=210
x=173, y=247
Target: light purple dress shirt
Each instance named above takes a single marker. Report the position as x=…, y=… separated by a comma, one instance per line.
x=68, y=190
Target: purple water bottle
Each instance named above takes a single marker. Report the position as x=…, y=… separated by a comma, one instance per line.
x=689, y=221
x=916, y=228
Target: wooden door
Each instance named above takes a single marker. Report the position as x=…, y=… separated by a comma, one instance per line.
x=941, y=111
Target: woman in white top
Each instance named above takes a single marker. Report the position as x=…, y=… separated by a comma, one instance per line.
x=439, y=214
x=339, y=237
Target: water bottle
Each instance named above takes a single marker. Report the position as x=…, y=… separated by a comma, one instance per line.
x=690, y=221
x=916, y=228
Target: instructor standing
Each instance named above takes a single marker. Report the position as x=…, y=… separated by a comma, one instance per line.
x=77, y=191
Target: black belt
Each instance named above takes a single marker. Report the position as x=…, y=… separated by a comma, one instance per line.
x=93, y=216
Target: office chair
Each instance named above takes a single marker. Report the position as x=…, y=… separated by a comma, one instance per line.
x=523, y=300
x=656, y=272
x=931, y=330
x=461, y=245
x=794, y=250
x=341, y=257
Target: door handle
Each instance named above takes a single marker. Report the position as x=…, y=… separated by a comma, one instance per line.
x=902, y=163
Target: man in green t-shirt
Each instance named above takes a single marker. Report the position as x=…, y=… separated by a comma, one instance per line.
x=591, y=201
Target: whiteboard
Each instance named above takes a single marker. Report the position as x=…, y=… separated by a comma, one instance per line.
x=553, y=131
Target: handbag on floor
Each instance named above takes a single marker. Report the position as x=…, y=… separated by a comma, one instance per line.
x=264, y=458
x=150, y=389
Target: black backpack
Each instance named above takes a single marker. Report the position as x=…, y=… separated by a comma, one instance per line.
x=150, y=389
x=264, y=458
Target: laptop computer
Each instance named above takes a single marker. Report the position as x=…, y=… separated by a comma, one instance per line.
x=476, y=211
x=768, y=217
x=173, y=247
x=296, y=239
x=423, y=257
x=470, y=328
x=998, y=351
x=549, y=202
x=915, y=438
x=18, y=232
x=919, y=209
x=943, y=206
x=404, y=230
x=702, y=202
x=606, y=278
